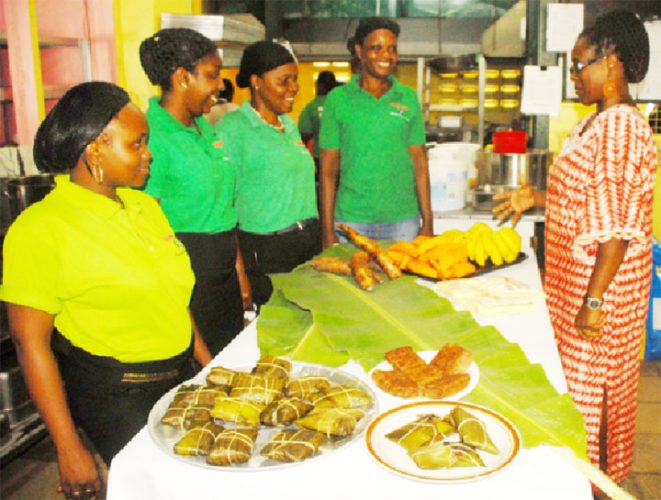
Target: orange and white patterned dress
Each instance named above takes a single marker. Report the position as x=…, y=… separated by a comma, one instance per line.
x=601, y=187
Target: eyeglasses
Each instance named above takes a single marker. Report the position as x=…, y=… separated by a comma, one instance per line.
x=578, y=66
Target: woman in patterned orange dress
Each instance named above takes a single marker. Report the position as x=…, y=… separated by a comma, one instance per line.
x=598, y=237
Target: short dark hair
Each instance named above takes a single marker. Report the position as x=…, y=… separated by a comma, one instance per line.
x=326, y=82
x=259, y=58
x=76, y=120
x=228, y=91
x=624, y=33
x=368, y=24
x=171, y=48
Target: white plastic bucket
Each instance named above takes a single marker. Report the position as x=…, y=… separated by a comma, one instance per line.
x=450, y=167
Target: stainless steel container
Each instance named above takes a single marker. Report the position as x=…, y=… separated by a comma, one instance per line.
x=481, y=198
x=21, y=192
x=513, y=170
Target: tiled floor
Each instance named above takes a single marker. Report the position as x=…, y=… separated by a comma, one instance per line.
x=34, y=475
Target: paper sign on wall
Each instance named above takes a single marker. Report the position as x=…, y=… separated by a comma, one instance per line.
x=542, y=90
x=564, y=22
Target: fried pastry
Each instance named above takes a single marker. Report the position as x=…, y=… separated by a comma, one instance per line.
x=404, y=358
x=395, y=382
x=446, y=386
x=452, y=358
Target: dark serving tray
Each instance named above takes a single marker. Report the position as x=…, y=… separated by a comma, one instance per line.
x=487, y=268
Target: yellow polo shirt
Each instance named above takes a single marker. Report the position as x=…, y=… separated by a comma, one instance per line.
x=116, y=279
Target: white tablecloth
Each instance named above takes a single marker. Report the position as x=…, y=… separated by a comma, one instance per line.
x=143, y=471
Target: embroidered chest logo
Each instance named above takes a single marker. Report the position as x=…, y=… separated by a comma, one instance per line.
x=401, y=109
x=218, y=144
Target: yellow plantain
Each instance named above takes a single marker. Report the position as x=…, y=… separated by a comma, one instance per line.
x=503, y=249
x=512, y=239
x=490, y=246
x=478, y=228
x=480, y=252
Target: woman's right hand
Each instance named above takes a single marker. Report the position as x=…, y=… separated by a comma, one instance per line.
x=79, y=474
x=515, y=203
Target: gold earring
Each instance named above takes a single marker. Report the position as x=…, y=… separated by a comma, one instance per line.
x=98, y=174
x=609, y=89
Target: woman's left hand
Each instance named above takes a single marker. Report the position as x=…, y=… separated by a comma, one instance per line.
x=590, y=323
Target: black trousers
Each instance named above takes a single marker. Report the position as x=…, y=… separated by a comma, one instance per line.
x=111, y=400
x=276, y=253
x=216, y=303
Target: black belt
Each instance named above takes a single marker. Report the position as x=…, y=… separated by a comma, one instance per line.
x=296, y=226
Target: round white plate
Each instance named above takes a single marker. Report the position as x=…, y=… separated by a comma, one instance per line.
x=165, y=436
x=395, y=458
x=473, y=371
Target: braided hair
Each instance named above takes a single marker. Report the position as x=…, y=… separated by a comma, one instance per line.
x=171, y=48
x=369, y=24
x=76, y=120
x=623, y=33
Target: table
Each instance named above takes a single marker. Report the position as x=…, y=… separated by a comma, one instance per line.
x=142, y=471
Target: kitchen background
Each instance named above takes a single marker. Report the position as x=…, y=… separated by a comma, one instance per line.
x=47, y=46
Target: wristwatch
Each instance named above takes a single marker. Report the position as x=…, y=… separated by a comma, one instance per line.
x=593, y=303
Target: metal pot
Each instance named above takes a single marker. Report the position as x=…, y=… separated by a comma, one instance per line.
x=18, y=193
x=513, y=169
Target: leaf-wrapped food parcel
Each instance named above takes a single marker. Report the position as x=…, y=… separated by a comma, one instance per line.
x=472, y=430
x=421, y=432
x=184, y=415
x=293, y=445
x=272, y=367
x=198, y=440
x=237, y=410
x=337, y=422
x=305, y=387
x=232, y=447
x=343, y=396
x=440, y=455
x=284, y=411
x=219, y=375
x=256, y=388
x=199, y=395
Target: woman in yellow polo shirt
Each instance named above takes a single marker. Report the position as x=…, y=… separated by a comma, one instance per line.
x=96, y=269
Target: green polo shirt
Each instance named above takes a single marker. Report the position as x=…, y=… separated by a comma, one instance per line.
x=274, y=171
x=373, y=136
x=310, y=120
x=115, y=278
x=189, y=174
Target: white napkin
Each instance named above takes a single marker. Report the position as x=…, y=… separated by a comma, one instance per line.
x=489, y=295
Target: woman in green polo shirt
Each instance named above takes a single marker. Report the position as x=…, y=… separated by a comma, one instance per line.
x=190, y=174
x=97, y=286
x=374, y=173
x=275, y=191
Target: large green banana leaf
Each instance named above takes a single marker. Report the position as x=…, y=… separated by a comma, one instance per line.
x=324, y=318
